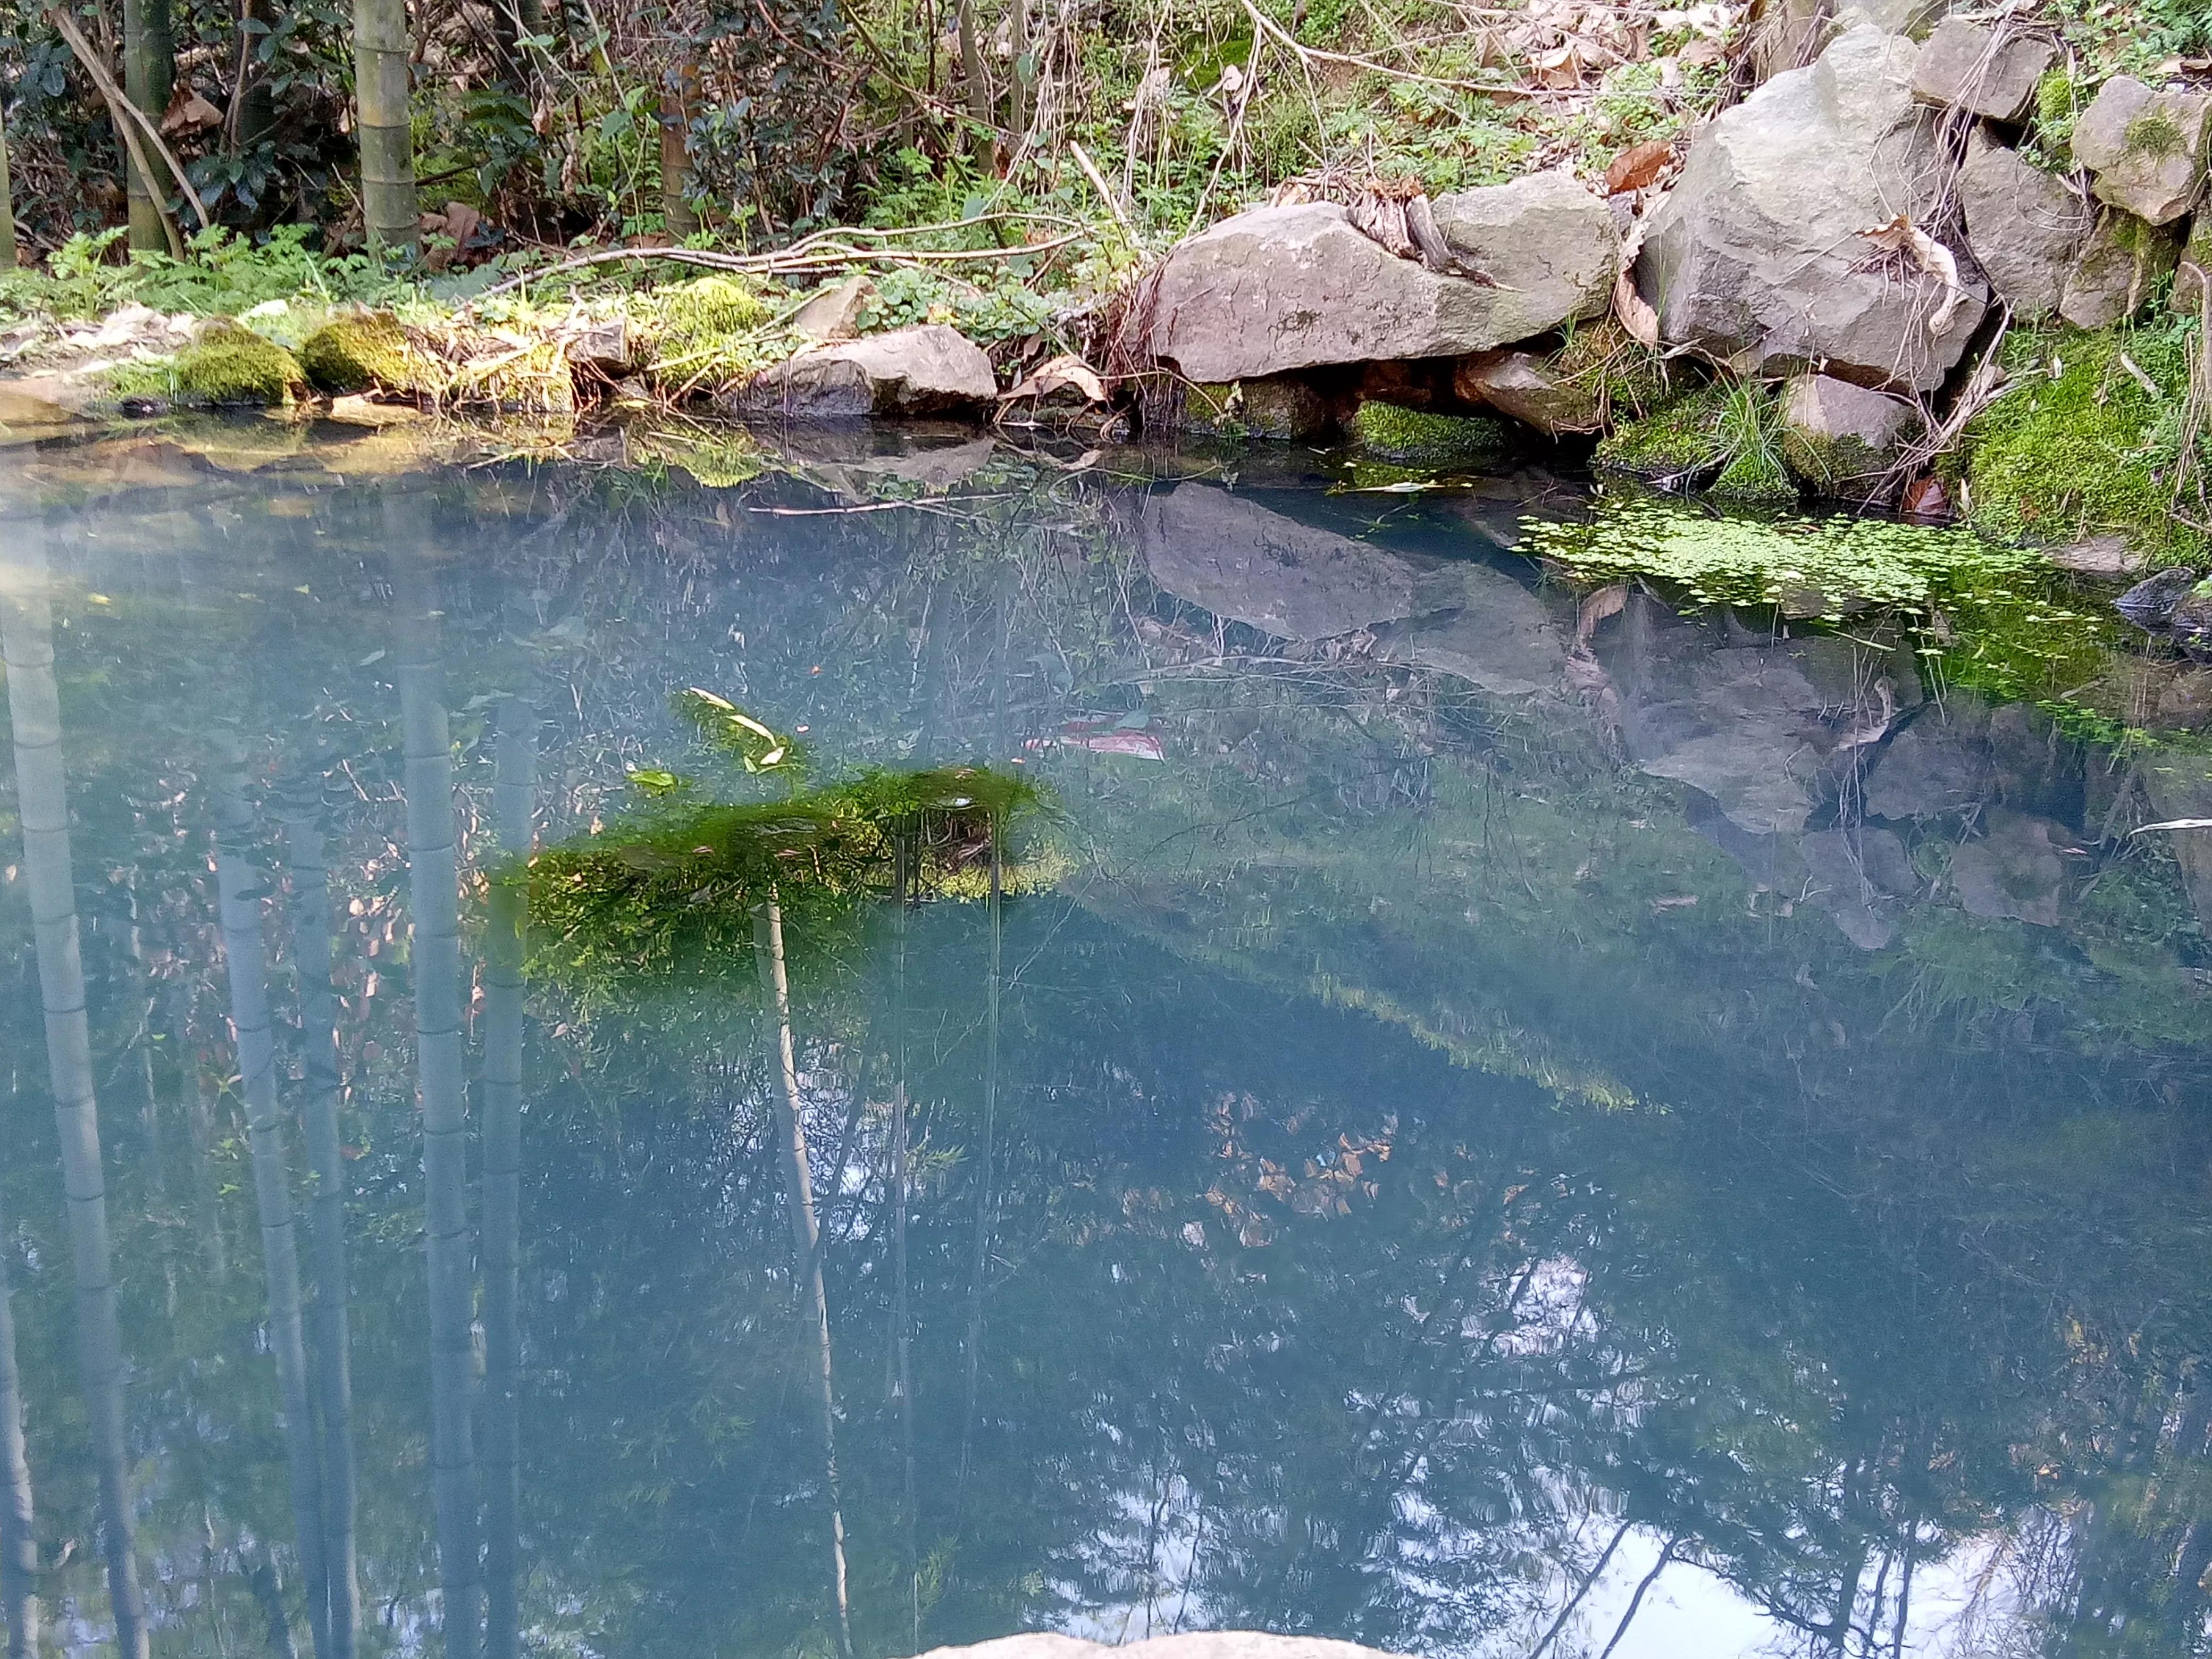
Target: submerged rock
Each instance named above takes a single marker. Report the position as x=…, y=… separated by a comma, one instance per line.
x=929, y=369
x=1987, y=71
x=2148, y=148
x=1757, y=257
x=1281, y=289
x=2025, y=227
x=1941, y=762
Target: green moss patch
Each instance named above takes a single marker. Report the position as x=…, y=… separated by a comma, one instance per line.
x=369, y=351
x=227, y=367
x=1414, y=435
x=707, y=334
x=1684, y=439
x=2082, y=445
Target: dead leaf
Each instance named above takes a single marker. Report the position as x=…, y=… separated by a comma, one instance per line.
x=1925, y=498
x=189, y=113
x=462, y=221
x=1062, y=373
x=1638, y=166
x=1605, y=602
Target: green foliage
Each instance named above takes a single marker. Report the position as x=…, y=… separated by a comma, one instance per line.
x=2079, y=444
x=223, y=274
x=1757, y=471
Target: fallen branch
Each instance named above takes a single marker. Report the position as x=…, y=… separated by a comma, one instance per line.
x=1266, y=25
x=1106, y=192
x=822, y=256
x=130, y=120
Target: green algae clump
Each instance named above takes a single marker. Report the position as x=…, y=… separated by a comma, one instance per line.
x=1414, y=435
x=2080, y=444
x=368, y=351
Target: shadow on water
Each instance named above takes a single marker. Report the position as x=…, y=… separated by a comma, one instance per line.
x=1487, y=1111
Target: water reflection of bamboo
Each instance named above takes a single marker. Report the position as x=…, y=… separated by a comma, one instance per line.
x=240, y=887
x=19, y=1549
x=35, y=707
x=434, y=898
x=806, y=1232
x=514, y=786
x=310, y=914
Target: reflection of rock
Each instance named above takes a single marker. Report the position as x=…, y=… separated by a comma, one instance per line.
x=1501, y=640
x=1751, y=724
x=1202, y=1645
x=2179, y=784
x=851, y=459
x=2013, y=870
x=1227, y=554
x=1939, y=763
x=1851, y=871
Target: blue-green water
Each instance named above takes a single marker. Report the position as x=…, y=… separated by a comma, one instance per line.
x=1477, y=1126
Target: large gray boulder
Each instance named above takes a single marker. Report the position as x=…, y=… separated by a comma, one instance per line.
x=929, y=369
x=1282, y=289
x=1757, y=257
x=2148, y=148
x=2026, y=228
x=1199, y=1645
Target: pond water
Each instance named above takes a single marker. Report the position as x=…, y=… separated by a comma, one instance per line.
x=1470, y=1116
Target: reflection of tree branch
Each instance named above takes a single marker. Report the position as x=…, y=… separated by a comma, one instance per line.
x=1635, y=1601
x=1575, y=1600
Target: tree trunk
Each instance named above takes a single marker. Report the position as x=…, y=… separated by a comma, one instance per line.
x=35, y=707
x=241, y=886
x=513, y=783
x=678, y=91
x=329, y=1320
x=971, y=71
x=434, y=897
x=149, y=73
x=9, y=257
x=381, y=49
x=805, y=1232
x=1022, y=72
x=19, y=1549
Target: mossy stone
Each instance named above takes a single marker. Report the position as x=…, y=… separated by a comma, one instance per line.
x=1274, y=406
x=1756, y=476
x=233, y=367
x=364, y=352
x=1832, y=466
x=1684, y=439
x=1399, y=433
x=706, y=334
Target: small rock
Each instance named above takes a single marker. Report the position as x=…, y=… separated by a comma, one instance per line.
x=2115, y=270
x=929, y=369
x=354, y=409
x=1521, y=384
x=2191, y=622
x=2146, y=149
x=1837, y=435
x=1273, y=406
x=834, y=312
x=2025, y=227
x=2150, y=602
x=1971, y=67
x=2014, y=871
x=604, y=346
x=2194, y=274
x=1544, y=243
x=2099, y=555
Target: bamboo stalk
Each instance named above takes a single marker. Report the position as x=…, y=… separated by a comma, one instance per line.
x=148, y=74
x=383, y=91
x=135, y=127
x=19, y=1549
x=9, y=258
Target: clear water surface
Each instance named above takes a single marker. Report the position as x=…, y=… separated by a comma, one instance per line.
x=1474, y=1125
